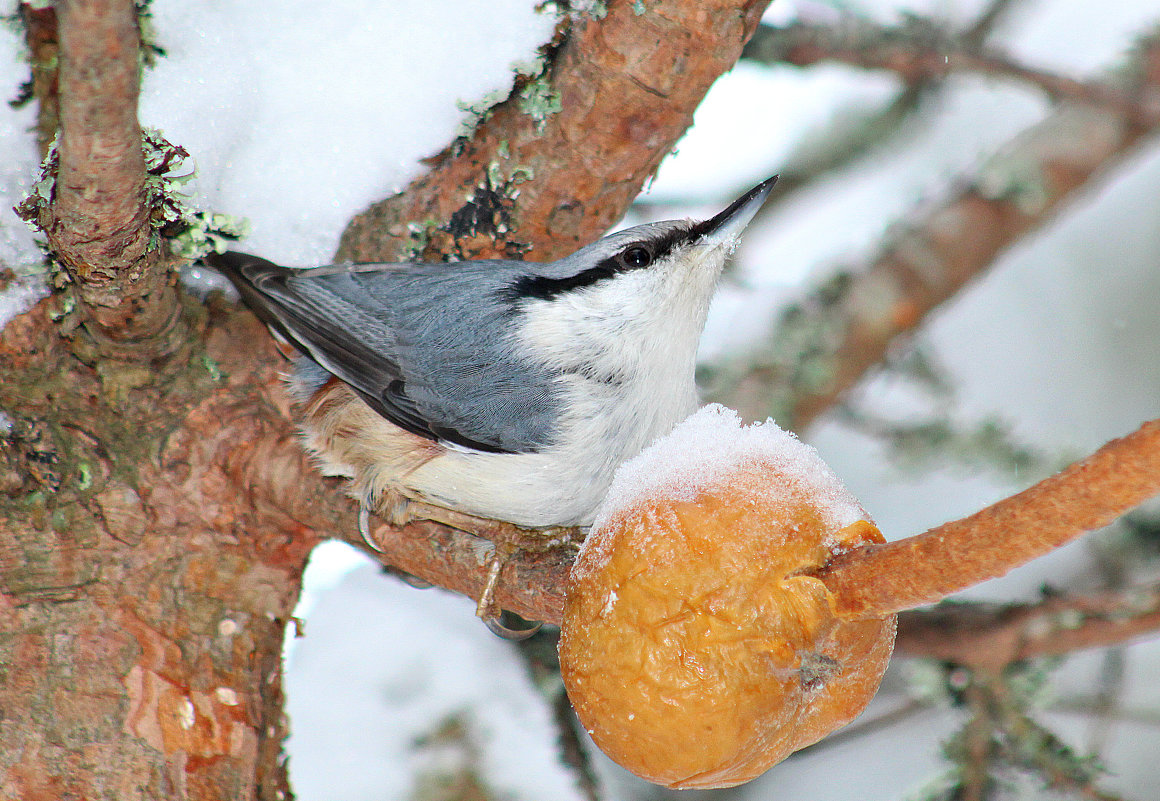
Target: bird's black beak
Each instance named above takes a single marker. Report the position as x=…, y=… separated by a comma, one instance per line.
x=732, y=221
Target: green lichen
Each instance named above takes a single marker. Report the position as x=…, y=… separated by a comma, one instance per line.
x=476, y=112
x=539, y=101
x=483, y=221
x=1014, y=179
x=505, y=183
x=530, y=68
x=210, y=365
x=206, y=232
x=164, y=185
x=191, y=233
x=597, y=9
x=84, y=476
x=66, y=307
x=419, y=236
x=149, y=50
x=34, y=206
x=535, y=97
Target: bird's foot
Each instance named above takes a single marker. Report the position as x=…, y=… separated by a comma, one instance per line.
x=507, y=540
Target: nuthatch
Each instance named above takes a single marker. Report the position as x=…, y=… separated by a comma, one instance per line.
x=484, y=391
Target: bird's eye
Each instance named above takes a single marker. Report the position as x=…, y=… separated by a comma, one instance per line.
x=636, y=257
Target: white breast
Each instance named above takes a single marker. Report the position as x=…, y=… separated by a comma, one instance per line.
x=626, y=375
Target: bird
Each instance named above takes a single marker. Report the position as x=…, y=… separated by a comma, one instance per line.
x=496, y=396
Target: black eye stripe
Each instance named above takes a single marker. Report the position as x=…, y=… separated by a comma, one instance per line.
x=544, y=288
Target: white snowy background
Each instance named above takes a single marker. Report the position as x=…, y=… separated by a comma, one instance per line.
x=299, y=114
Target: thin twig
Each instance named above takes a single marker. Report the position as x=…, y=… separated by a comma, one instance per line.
x=1113, y=668
x=995, y=635
x=1058, y=87
x=978, y=743
x=921, y=51
x=987, y=21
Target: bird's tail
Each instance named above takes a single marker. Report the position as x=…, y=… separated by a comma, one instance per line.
x=244, y=271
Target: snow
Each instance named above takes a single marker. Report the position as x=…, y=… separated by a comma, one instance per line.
x=300, y=117
x=712, y=446
x=18, y=172
x=411, y=662
x=20, y=296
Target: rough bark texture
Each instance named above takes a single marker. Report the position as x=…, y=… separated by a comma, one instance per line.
x=144, y=590
x=98, y=223
x=627, y=86
x=531, y=585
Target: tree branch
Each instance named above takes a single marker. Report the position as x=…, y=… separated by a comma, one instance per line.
x=98, y=223
x=823, y=345
x=869, y=581
x=41, y=38
x=920, y=51
x=882, y=579
x=626, y=87
x=991, y=636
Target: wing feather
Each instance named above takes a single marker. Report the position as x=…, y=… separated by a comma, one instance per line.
x=387, y=331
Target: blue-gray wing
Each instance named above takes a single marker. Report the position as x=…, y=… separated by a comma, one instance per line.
x=426, y=346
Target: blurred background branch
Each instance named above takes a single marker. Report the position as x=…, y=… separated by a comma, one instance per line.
x=823, y=344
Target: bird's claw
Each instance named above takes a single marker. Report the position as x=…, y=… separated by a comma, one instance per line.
x=496, y=627
x=507, y=538
x=364, y=524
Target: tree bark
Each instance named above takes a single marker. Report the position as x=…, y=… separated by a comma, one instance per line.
x=145, y=591
x=98, y=222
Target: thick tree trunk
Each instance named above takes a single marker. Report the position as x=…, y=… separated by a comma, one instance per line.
x=144, y=593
